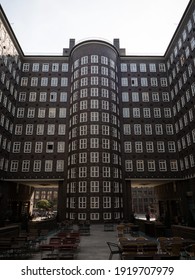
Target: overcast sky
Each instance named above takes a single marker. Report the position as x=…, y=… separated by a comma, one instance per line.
x=144, y=27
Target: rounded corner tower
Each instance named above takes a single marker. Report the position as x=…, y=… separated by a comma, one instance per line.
x=94, y=189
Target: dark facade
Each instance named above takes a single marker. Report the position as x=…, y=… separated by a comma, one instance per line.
x=95, y=121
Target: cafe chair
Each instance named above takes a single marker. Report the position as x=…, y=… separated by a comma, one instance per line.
x=163, y=243
x=189, y=252
x=114, y=250
x=175, y=249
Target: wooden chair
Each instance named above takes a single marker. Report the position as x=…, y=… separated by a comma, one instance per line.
x=114, y=250
x=129, y=251
x=120, y=229
x=46, y=248
x=189, y=252
x=162, y=243
x=150, y=248
x=174, y=249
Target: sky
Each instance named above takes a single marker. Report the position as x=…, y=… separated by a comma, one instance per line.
x=144, y=27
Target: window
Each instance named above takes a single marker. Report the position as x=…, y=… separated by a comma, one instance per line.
x=142, y=67
x=136, y=112
x=49, y=147
x=61, y=129
x=20, y=113
x=94, y=80
x=25, y=165
x=126, y=113
x=26, y=67
x=106, y=202
x=95, y=70
x=146, y=113
x=82, y=172
x=173, y=165
x=94, y=92
x=162, y=165
x=83, y=105
x=140, y=165
x=35, y=67
x=94, y=171
x=14, y=166
x=44, y=81
x=157, y=112
x=64, y=67
x=151, y=165
x=144, y=82
x=60, y=147
x=123, y=67
x=127, y=147
x=145, y=96
x=163, y=82
x=94, y=143
x=31, y=113
x=104, y=60
x=169, y=129
x=133, y=67
x=43, y=97
x=134, y=82
x=167, y=112
x=83, y=144
x=106, y=157
x=37, y=166
x=40, y=129
x=149, y=147
x=22, y=97
x=63, y=96
x=45, y=67
x=124, y=82
x=135, y=96
x=52, y=113
x=64, y=82
x=137, y=129
x=106, y=172
x=53, y=96
x=38, y=147
x=54, y=82
x=82, y=157
x=16, y=147
x=48, y=165
x=82, y=202
x=160, y=147
x=94, y=202
x=171, y=146
x=158, y=129
x=27, y=147
x=24, y=81
x=62, y=113
x=82, y=186
x=34, y=81
x=125, y=96
x=94, y=58
x=29, y=129
x=155, y=96
x=55, y=67
x=105, y=105
x=94, y=186
x=127, y=129
x=138, y=147
x=51, y=129
x=18, y=129
x=94, y=129
x=84, y=60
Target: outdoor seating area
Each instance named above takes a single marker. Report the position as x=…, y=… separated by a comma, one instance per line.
x=118, y=241
x=160, y=248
